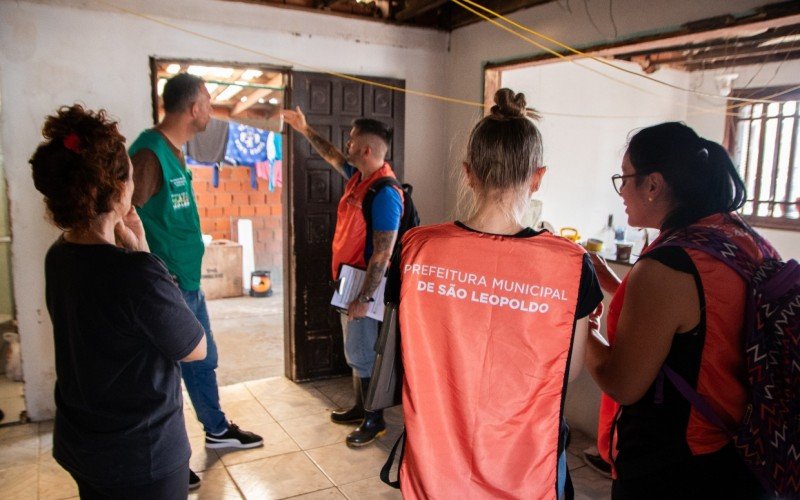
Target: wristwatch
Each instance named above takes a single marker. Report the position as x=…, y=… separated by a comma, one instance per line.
x=364, y=299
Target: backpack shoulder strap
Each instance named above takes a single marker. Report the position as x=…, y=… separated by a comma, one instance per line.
x=372, y=191
x=715, y=243
x=387, y=467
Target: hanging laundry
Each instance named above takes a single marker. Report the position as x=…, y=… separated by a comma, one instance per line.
x=276, y=176
x=262, y=170
x=208, y=147
x=274, y=152
x=246, y=146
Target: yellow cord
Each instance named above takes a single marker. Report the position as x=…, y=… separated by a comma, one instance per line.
x=294, y=63
x=597, y=59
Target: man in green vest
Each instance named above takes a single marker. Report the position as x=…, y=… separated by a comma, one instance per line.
x=165, y=201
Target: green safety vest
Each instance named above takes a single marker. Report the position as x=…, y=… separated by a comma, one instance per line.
x=170, y=217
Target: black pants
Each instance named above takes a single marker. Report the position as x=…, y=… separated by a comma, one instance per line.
x=722, y=474
x=173, y=487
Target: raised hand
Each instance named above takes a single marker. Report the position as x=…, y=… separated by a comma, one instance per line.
x=129, y=232
x=296, y=119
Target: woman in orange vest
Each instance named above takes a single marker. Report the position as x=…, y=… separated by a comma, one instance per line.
x=494, y=320
x=680, y=308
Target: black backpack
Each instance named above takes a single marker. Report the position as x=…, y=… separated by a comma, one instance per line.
x=409, y=219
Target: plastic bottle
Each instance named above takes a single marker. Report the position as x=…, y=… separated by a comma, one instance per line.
x=608, y=236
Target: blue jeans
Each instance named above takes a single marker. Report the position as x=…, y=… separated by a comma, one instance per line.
x=360, y=336
x=199, y=377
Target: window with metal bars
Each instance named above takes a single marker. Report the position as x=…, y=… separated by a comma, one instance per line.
x=762, y=139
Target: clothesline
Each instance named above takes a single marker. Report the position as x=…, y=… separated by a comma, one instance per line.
x=238, y=144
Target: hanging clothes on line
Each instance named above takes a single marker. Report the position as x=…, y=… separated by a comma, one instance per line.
x=209, y=146
x=270, y=170
x=247, y=146
x=207, y=149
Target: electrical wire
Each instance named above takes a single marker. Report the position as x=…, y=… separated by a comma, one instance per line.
x=571, y=60
x=611, y=17
x=597, y=59
x=295, y=63
x=339, y=75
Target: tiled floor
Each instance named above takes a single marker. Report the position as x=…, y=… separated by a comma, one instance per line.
x=11, y=401
x=249, y=336
x=304, y=455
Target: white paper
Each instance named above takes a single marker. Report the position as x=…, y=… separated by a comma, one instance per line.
x=351, y=280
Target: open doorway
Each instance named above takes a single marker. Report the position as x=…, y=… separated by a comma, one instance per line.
x=237, y=171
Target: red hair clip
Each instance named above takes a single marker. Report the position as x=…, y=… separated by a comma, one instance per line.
x=72, y=142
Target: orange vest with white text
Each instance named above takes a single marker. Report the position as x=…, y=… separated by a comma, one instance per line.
x=722, y=377
x=486, y=330
x=349, y=239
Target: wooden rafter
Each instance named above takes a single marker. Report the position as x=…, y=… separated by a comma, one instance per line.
x=257, y=94
x=414, y=9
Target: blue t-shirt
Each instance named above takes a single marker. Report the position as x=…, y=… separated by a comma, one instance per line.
x=387, y=209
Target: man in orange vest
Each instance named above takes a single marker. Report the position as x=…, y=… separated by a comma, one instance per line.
x=363, y=162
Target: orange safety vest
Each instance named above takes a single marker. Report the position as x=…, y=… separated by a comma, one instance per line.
x=486, y=329
x=722, y=378
x=350, y=236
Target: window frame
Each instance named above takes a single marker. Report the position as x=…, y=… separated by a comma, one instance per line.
x=732, y=122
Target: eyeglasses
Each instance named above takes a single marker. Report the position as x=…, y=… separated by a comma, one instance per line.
x=618, y=181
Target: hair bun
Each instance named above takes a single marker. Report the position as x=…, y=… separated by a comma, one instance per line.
x=509, y=105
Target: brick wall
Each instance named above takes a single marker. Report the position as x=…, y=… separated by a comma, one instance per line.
x=221, y=207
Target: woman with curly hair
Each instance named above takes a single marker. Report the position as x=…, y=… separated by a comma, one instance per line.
x=120, y=324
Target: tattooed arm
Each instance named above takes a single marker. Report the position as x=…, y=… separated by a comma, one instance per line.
x=297, y=120
x=383, y=244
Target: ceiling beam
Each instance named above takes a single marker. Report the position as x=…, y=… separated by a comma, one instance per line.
x=730, y=56
x=744, y=61
x=416, y=8
x=324, y=4
x=739, y=40
x=460, y=17
x=257, y=94
x=234, y=76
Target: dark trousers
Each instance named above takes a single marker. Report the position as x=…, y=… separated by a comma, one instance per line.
x=721, y=474
x=173, y=487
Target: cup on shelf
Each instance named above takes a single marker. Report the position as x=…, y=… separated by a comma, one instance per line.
x=594, y=245
x=624, y=249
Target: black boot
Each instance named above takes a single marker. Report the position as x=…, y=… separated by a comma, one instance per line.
x=355, y=414
x=371, y=428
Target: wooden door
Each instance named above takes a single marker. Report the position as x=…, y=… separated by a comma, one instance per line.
x=314, y=335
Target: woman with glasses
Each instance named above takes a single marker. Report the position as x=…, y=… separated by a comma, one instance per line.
x=678, y=308
x=494, y=320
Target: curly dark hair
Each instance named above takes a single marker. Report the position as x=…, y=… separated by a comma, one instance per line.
x=81, y=167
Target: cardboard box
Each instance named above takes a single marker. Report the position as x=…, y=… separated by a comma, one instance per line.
x=221, y=273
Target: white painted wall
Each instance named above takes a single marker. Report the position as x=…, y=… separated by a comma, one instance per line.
x=474, y=45
x=711, y=123
x=62, y=51
x=582, y=173
x=582, y=153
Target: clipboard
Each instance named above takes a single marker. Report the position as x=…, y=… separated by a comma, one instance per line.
x=349, y=284
x=386, y=385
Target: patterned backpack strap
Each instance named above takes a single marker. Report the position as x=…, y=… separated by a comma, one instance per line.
x=715, y=243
